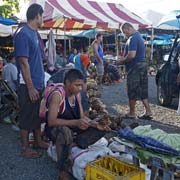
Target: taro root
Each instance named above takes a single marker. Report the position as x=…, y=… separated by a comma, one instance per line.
x=91, y=99
x=90, y=93
x=103, y=119
x=98, y=106
x=117, y=122
x=103, y=111
x=93, y=114
x=134, y=125
x=98, y=94
x=93, y=93
x=92, y=85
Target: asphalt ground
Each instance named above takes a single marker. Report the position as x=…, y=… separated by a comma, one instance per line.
x=15, y=167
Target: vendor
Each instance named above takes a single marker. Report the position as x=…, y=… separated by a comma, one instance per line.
x=111, y=73
x=64, y=121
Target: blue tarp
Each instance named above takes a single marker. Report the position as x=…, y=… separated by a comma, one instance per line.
x=146, y=36
x=7, y=21
x=164, y=39
x=91, y=33
x=161, y=42
x=87, y=34
x=148, y=142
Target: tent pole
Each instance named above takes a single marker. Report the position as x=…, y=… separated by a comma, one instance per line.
x=64, y=40
x=116, y=44
x=152, y=37
x=69, y=45
x=56, y=35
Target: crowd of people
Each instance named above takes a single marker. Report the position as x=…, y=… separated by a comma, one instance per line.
x=25, y=74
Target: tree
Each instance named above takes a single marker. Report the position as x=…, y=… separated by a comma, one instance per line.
x=9, y=8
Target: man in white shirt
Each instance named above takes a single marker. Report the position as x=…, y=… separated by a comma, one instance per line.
x=10, y=72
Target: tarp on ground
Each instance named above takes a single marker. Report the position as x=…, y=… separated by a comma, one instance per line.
x=85, y=14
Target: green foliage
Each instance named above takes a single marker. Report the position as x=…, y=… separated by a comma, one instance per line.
x=9, y=8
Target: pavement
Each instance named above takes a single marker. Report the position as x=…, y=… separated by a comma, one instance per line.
x=165, y=118
x=15, y=167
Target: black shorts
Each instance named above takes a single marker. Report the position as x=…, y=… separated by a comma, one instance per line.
x=137, y=82
x=29, y=112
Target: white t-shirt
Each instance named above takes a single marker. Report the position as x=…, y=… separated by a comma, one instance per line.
x=10, y=74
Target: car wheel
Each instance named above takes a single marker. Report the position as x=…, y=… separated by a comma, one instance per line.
x=163, y=99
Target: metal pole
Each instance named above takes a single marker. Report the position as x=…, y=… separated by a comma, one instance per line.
x=116, y=44
x=152, y=37
x=64, y=59
x=56, y=35
x=70, y=45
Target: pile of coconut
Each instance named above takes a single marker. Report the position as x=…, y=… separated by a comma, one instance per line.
x=97, y=110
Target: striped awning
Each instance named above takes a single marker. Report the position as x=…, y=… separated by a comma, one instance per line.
x=85, y=14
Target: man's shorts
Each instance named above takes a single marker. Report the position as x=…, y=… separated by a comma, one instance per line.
x=29, y=112
x=137, y=82
x=100, y=69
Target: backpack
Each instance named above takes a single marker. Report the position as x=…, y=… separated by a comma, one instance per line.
x=46, y=95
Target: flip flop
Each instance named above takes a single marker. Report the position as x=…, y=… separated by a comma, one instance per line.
x=64, y=175
x=126, y=116
x=42, y=146
x=31, y=154
x=146, y=117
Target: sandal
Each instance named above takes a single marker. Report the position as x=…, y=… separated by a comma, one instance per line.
x=146, y=117
x=64, y=176
x=42, y=145
x=30, y=153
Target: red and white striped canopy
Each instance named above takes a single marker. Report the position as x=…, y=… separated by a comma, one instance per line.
x=85, y=14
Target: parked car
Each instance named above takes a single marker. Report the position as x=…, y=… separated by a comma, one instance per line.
x=166, y=77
